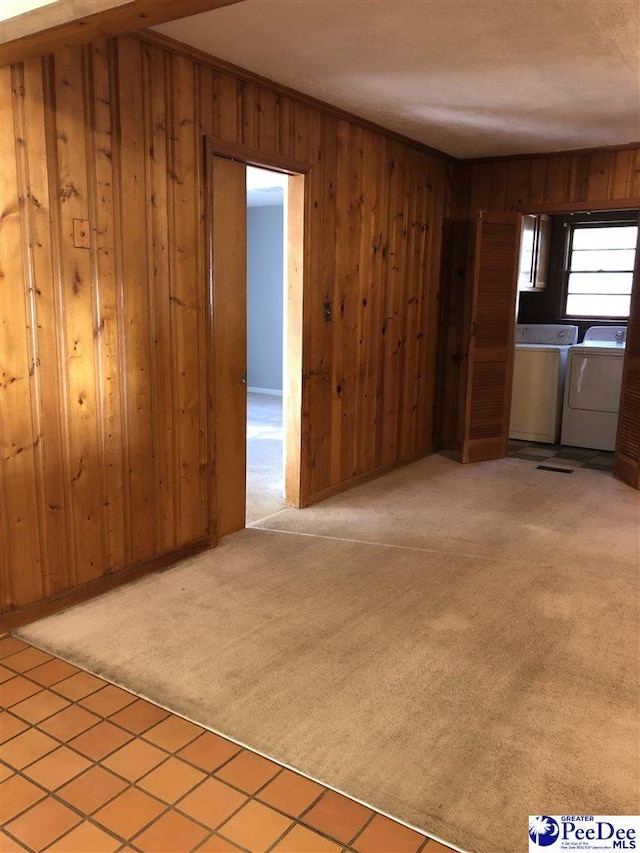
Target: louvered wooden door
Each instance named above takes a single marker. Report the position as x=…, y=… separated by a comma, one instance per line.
x=626, y=464
x=494, y=272
x=227, y=183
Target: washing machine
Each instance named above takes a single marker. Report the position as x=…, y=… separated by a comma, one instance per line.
x=592, y=391
x=538, y=380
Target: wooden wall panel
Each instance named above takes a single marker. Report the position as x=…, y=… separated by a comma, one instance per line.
x=597, y=179
x=22, y=546
x=105, y=449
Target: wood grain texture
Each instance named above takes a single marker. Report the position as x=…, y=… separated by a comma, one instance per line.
x=600, y=179
x=131, y=16
x=493, y=281
x=121, y=392
x=229, y=255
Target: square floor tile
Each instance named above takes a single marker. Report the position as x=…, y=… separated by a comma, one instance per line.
x=209, y=751
x=16, y=795
x=27, y=748
x=39, y=707
x=290, y=793
x=43, y=824
x=386, y=836
x=56, y=768
x=435, y=847
x=211, y=803
x=135, y=760
x=171, y=780
x=15, y=690
x=98, y=742
x=68, y=723
x=26, y=660
x=9, y=646
x=337, y=816
x=139, y=716
x=52, y=672
x=92, y=790
x=78, y=686
x=173, y=733
x=169, y=833
x=255, y=827
x=130, y=812
x=84, y=838
x=10, y=726
x=248, y=771
x=301, y=838
x=108, y=700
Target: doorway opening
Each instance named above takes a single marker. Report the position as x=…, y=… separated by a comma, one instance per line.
x=226, y=230
x=266, y=318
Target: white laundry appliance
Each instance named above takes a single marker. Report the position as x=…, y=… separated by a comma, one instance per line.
x=592, y=392
x=538, y=380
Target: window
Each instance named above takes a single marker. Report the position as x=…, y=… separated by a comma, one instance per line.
x=599, y=268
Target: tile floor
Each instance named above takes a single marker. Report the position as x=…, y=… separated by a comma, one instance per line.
x=89, y=768
x=561, y=456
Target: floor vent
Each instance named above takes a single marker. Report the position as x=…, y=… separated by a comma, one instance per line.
x=557, y=470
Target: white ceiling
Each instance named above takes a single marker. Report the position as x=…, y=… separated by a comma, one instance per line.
x=473, y=78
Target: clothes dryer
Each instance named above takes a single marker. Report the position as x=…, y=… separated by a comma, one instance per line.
x=593, y=386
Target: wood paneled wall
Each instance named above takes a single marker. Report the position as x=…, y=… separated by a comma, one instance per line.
x=105, y=426
x=598, y=179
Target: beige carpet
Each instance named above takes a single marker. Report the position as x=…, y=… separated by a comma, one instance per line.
x=484, y=670
x=265, y=478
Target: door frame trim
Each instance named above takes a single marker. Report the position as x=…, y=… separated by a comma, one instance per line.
x=214, y=147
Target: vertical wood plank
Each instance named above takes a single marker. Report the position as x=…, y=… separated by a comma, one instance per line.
x=538, y=180
x=518, y=184
x=160, y=243
x=106, y=335
x=394, y=303
x=228, y=187
x=17, y=439
x=227, y=112
x=75, y=267
x=267, y=120
x=45, y=373
x=558, y=178
x=600, y=176
x=204, y=121
x=135, y=301
x=190, y=356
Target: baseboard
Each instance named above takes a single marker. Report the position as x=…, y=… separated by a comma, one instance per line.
x=55, y=603
x=358, y=480
x=272, y=391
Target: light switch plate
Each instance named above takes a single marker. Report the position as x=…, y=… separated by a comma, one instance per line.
x=81, y=234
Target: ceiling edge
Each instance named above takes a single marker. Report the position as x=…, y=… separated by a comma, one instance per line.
x=198, y=55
